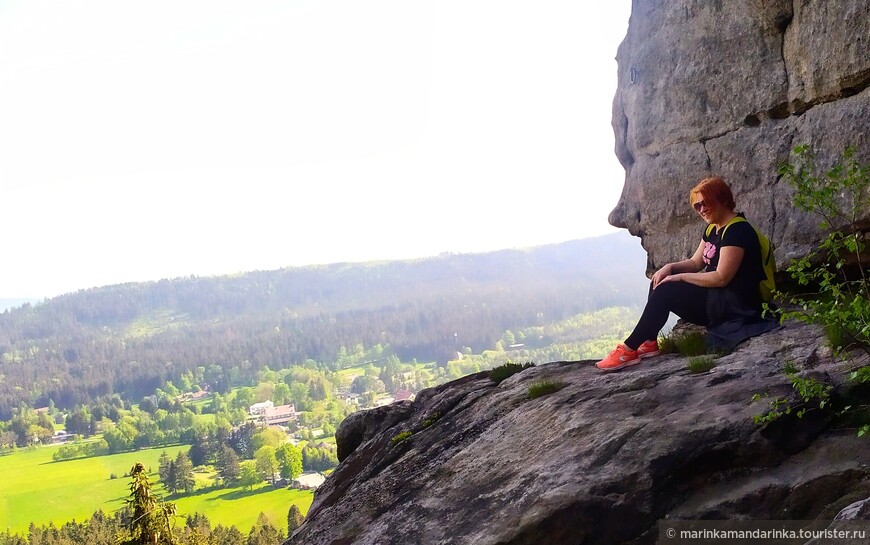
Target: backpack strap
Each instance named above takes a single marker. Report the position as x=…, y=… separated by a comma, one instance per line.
x=736, y=219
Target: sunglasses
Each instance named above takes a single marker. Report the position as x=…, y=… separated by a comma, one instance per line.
x=698, y=205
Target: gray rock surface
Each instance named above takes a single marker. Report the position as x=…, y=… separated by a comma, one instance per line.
x=600, y=461
x=729, y=88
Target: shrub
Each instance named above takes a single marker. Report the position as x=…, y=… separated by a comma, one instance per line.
x=835, y=289
x=502, y=372
x=812, y=393
x=543, y=387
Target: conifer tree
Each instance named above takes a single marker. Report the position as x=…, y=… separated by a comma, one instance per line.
x=165, y=470
x=294, y=519
x=228, y=466
x=263, y=533
x=150, y=522
x=184, y=479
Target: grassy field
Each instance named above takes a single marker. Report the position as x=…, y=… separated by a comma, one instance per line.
x=33, y=488
x=347, y=374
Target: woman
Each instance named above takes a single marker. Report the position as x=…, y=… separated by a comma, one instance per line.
x=716, y=287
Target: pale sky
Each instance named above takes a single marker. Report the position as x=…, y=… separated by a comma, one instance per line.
x=147, y=140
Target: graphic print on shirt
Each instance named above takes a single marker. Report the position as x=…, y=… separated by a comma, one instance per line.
x=709, y=252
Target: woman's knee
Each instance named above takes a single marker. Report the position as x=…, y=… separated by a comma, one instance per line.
x=679, y=295
x=667, y=291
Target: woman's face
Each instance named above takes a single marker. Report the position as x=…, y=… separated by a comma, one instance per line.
x=707, y=208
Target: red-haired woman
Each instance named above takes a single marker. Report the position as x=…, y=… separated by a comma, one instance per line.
x=717, y=287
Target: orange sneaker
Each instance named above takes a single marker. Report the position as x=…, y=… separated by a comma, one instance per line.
x=648, y=349
x=623, y=356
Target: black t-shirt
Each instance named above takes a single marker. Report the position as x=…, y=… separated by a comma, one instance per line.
x=750, y=272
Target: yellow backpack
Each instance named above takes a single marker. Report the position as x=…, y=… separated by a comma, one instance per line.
x=768, y=263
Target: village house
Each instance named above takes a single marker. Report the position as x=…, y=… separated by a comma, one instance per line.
x=62, y=436
x=193, y=396
x=282, y=414
x=404, y=395
x=258, y=409
x=308, y=481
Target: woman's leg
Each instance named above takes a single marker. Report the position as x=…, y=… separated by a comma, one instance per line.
x=687, y=301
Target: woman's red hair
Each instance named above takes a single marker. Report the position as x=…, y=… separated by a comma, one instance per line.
x=714, y=189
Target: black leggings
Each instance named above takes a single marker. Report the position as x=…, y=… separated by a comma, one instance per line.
x=687, y=301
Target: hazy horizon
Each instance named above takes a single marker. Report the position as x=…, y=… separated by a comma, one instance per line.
x=10, y=301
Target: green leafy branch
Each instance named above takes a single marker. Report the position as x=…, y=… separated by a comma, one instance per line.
x=835, y=291
x=811, y=392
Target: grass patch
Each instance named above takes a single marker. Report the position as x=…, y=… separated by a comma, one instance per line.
x=401, y=436
x=509, y=369
x=235, y=506
x=159, y=322
x=543, y=387
x=432, y=419
x=36, y=489
x=349, y=373
x=689, y=344
x=701, y=364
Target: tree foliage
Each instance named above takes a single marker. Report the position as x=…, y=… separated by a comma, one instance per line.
x=249, y=476
x=834, y=288
x=290, y=460
x=266, y=463
x=227, y=466
x=150, y=521
x=295, y=518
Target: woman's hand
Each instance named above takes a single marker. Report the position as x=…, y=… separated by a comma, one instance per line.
x=661, y=274
x=671, y=278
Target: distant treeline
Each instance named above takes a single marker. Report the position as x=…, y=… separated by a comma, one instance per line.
x=131, y=338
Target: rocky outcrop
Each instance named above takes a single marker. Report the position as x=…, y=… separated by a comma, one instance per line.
x=600, y=461
x=729, y=88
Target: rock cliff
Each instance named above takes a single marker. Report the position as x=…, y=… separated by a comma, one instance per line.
x=600, y=461
x=729, y=88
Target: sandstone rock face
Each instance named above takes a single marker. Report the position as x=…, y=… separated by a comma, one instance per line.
x=729, y=88
x=600, y=461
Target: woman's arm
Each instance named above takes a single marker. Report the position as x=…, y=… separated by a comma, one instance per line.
x=730, y=258
x=691, y=265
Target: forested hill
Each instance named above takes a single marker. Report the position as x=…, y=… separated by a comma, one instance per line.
x=130, y=338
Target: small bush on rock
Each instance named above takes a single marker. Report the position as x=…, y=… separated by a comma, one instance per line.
x=812, y=394
x=502, y=372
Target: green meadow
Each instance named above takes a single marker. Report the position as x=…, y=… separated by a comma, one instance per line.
x=33, y=488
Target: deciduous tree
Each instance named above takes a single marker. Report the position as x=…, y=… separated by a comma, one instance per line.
x=248, y=474
x=266, y=462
